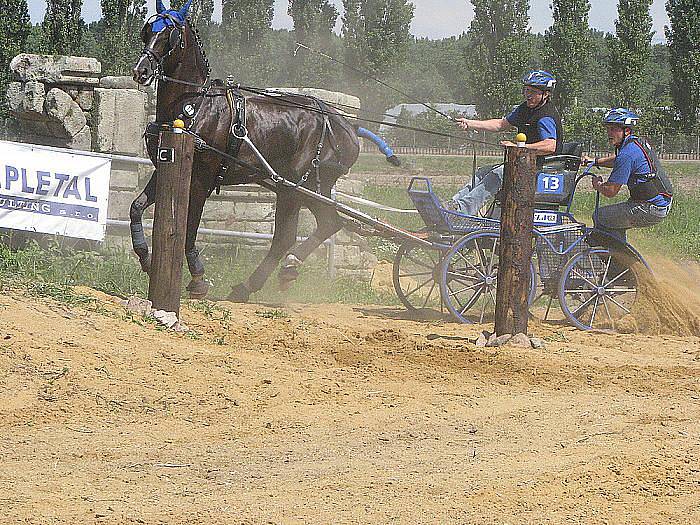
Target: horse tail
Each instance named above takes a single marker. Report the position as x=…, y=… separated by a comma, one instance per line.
x=381, y=144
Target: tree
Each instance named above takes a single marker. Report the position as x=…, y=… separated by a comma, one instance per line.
x=119, y=34
x=630, y=51
x=497, y=54
x=313, y=23
x=63, y=27
x=14, y=20
x=684, y=48
x=245, y=27
x=567, y=48
x=376, y=37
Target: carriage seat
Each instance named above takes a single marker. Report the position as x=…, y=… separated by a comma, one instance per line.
x=556, y=178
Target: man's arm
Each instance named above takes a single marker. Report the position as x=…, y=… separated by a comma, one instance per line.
x=609, y=189
x=492, y=125
x=544, y=147
x=601, y=162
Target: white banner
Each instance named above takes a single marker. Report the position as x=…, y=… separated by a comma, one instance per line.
x=47, y=191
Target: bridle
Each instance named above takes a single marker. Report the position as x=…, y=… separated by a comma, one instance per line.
x=176, y=39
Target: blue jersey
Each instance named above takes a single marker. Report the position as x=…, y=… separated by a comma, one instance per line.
x=632, y=166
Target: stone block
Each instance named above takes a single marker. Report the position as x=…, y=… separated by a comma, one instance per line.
x=251, y=211
x=120, y=119
x=118, y=83
x=26, y=100
x=56, y=69
x=119, y=204
x=123, y=179
x=219, y=211
x=253, y=227
x=82, y=140
x=83, y=97
x=66, y=117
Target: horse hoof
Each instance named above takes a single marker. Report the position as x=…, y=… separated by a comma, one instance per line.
x=239, y=294
x=145, y=265
x=198, y=288
x=286, y=277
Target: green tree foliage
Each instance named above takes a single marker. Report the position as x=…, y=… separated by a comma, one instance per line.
x=497, y=54
x=14, y=21
x=63, y=27
x=630, y=51
x=376, y=38
x=684, y=47
x=118, y=34
x=243, y=50
x=566, y=48
x=313, y=25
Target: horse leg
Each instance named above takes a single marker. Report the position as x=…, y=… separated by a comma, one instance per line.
x=197, y=287
x=328, y=223
x=138, y=239
x=286, y=222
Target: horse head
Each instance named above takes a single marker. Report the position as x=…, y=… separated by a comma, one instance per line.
x=163, y=37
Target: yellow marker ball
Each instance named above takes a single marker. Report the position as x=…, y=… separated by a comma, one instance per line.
x=520, y=137
x=178, y=124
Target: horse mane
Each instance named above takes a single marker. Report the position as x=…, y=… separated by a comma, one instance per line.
x=200, y=45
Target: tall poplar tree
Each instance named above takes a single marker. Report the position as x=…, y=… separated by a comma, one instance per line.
x=63, y=27
x=684, y=48
x=567, y=48
x=630, y=51
x=376, y=39
x=313, y=24
x=245, y=26
x=15, y=24
x=119, y=40
x=497, y=54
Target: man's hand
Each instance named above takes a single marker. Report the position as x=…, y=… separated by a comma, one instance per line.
x=507, y=143
x=597, y=182
x=585, y=159
x=463, y=123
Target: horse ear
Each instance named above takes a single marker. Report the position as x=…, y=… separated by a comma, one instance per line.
x=159, y=6
x=185, y=8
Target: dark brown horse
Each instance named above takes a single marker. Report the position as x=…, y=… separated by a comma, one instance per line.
x=287, y=136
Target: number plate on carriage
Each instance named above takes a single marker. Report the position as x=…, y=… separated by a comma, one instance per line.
x=542, y=217
x=550, y=183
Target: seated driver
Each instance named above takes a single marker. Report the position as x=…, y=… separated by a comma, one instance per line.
x=536, y=117
x=636, y=165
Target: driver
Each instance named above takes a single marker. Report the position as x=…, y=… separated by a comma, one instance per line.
x=536, y=117
x=636, y=165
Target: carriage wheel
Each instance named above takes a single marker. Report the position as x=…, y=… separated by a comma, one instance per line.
x=415, y=268
x=469, y=277
x=597, y=288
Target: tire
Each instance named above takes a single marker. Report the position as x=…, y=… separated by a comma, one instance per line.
x=598, y=287
x=469, y=277
x=415, y=268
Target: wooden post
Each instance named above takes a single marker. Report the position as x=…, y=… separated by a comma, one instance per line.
x=175, y=152
x=517, y=213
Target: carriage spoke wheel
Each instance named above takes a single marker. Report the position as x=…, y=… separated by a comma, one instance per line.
x=469, y=277
x=415, y=269
x=597, y=288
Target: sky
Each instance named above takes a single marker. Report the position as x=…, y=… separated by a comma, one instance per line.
x=433, y=18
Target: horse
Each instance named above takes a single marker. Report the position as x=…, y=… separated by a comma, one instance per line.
x=303, y=139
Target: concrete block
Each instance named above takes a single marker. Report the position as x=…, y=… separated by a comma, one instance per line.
x=56, y=69
x=250, y=211
x=120, y=119
x=123, y=179
x=119, y=204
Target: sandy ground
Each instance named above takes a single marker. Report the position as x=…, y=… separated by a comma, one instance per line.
x=337, y=414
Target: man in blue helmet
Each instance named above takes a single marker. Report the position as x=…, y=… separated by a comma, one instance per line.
x=536, y=117
x=636, y=165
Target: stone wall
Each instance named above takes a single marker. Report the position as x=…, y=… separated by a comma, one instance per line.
x=65, y=102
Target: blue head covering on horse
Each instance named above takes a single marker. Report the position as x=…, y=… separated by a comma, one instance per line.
x=169, y=17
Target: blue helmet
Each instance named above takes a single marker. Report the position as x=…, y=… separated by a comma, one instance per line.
x=540, y=79
x=621, y=117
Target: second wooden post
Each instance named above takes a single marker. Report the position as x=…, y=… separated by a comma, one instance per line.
x=518, y=201
x=175, y=153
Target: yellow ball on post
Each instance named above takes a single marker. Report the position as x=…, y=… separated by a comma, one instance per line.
x=520, y=139
x=178, y=125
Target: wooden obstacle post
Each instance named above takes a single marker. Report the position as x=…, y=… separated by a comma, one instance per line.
x=517, y=212
x=175, y=153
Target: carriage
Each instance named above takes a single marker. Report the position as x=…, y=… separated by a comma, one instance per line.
x=592, y=277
